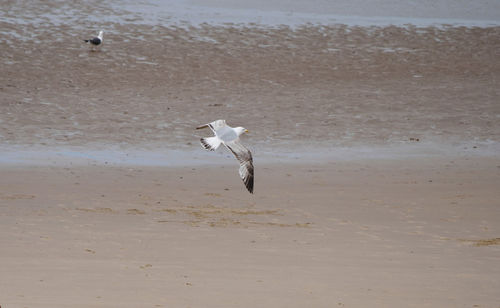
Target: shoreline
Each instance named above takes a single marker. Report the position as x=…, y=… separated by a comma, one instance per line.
x=168, y=157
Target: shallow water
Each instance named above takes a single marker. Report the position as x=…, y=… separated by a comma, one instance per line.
x=265, y=13
x=167, y=157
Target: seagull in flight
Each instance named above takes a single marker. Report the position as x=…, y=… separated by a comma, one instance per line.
x=230, y=138
x=96, y=41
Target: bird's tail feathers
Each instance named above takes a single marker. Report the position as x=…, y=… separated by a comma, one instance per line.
x=210, y=143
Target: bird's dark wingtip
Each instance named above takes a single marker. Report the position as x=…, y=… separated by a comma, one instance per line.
x=249, y=185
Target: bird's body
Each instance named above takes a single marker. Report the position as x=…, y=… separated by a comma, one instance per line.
x=230, y=138
x=96, y=41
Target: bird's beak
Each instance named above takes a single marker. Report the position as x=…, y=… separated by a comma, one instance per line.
x=203, y=126
x=246, y=131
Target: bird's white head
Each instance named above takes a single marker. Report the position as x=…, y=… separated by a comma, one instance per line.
x=100, y=34
x=240, y=130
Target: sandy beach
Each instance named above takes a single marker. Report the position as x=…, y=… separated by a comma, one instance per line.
x=419, y=233
x=375, y=131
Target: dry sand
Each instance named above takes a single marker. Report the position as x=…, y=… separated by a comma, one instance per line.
x=417, y=227
x=421, y=233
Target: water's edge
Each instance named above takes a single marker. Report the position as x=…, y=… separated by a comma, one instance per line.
x=166, y=157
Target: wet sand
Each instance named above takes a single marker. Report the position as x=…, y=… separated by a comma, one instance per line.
x=322, y=85
x=376, y=150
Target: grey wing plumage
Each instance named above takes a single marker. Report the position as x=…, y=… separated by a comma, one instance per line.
x=218, y=124
x=215, y=125
x=244, y=157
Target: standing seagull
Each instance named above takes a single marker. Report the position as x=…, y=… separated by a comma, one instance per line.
x=96, y=41
x=230, y=138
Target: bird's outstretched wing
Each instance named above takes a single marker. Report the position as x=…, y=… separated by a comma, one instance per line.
x=244, y=157
x=215, y=125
